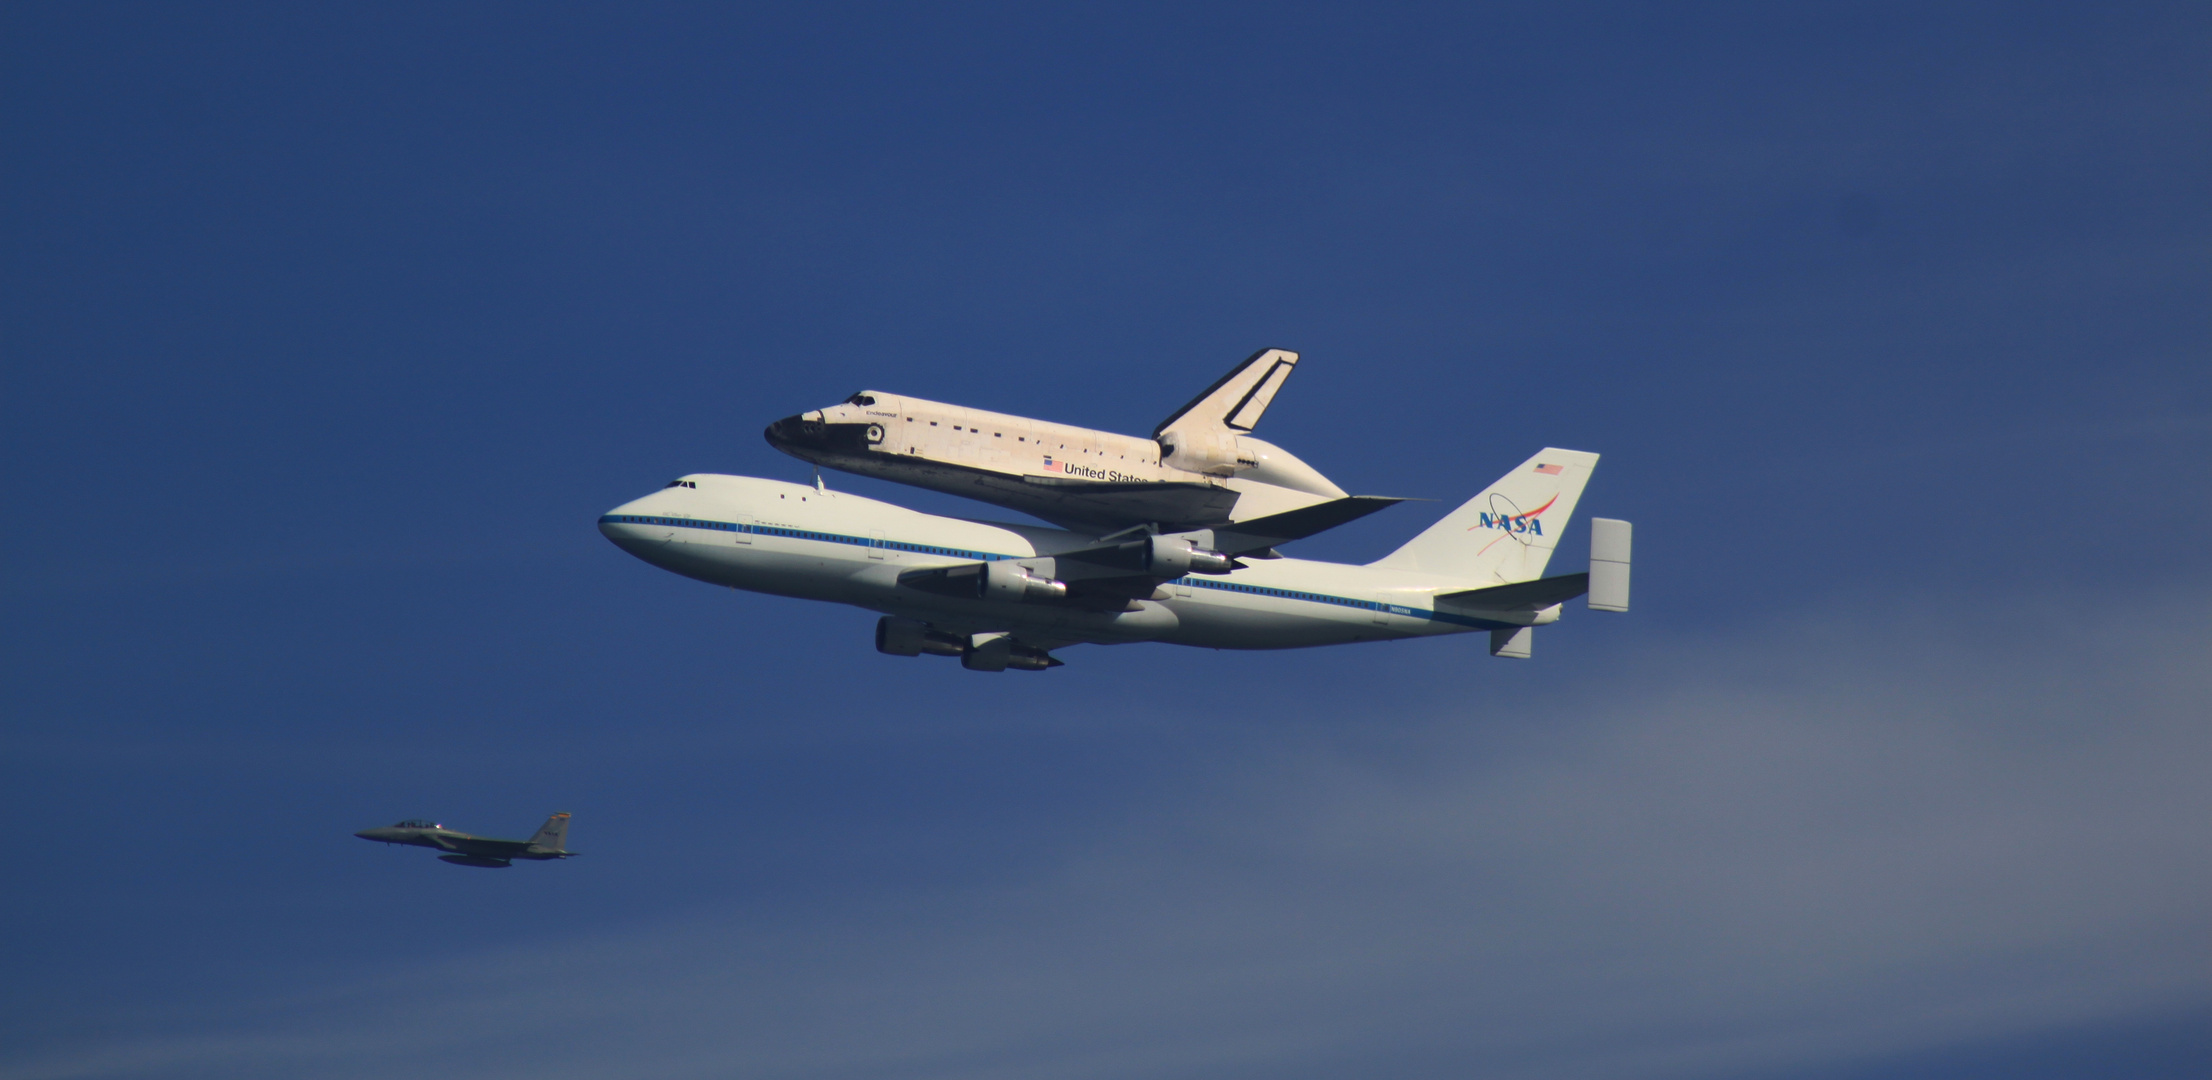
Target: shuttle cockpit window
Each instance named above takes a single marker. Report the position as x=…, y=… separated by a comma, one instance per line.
x=681, y=484
x=860, y=399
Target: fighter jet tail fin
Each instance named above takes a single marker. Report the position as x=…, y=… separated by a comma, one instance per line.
x=1234, y=402
x=553, y=835
x=1507, y=533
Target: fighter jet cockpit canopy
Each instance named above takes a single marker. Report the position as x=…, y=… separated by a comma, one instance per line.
x=418, y=823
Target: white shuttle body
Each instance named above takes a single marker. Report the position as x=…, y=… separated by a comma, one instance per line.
x=1001, y=596
x=1200, y=467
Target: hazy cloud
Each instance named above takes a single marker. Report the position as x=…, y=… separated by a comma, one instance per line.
x=1837, y=839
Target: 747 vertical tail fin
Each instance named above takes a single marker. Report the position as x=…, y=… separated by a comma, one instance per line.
x=1507, y=533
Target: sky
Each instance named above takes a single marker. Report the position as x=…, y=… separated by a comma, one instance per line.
x=326, y=335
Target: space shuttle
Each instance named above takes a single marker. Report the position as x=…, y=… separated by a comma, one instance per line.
x=1200, y=467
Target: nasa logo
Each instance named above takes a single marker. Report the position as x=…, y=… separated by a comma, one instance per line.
x=1503, y=515
x=1520, y=523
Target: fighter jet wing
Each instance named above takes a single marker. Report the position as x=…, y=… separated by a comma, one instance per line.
x=465, y=844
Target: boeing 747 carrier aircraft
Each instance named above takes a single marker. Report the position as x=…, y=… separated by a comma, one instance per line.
x=1200, y=467
x=1004, y=596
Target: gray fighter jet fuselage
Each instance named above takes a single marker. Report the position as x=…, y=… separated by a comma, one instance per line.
x=551, y=842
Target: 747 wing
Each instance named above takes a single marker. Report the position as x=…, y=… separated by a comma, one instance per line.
x=1131, y=565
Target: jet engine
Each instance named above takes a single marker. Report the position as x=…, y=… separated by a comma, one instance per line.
x=997, y=652
x=1012, y=582
x=898, y=636
x=1174, y=556
x=1004, y=581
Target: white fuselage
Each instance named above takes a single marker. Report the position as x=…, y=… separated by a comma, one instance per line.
x=792, y=540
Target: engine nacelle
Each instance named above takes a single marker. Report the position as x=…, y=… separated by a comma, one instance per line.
x=898, y=636
x=1175, y=556
x=1012, y=582
x=997, y=652
x=1213, y=453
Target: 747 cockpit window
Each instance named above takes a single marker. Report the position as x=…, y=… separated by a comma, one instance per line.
x=860, y=399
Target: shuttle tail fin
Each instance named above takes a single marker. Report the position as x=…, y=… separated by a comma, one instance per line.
x=1507, y=533
x=553, y=835
x=1233, y=404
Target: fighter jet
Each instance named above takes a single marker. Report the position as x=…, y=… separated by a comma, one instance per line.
x=1201, y=466
x=1003, y=596
x=551, y=842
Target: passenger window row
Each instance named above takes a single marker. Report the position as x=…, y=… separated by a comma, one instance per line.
x=804, y=534
x=1287, y=594
x=981, y=556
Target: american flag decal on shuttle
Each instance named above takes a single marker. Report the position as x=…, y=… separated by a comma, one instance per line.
x=1050, y=466
x=1548, y=470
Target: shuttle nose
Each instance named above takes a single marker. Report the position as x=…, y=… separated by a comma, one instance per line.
x=795, y=433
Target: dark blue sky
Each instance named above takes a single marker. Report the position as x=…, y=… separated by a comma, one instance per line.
x=325, y=336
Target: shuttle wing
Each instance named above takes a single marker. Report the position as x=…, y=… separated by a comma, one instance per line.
x=1169, y=503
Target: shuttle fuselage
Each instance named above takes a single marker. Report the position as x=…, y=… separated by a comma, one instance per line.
x=1201, y=467
x=1072, y=476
